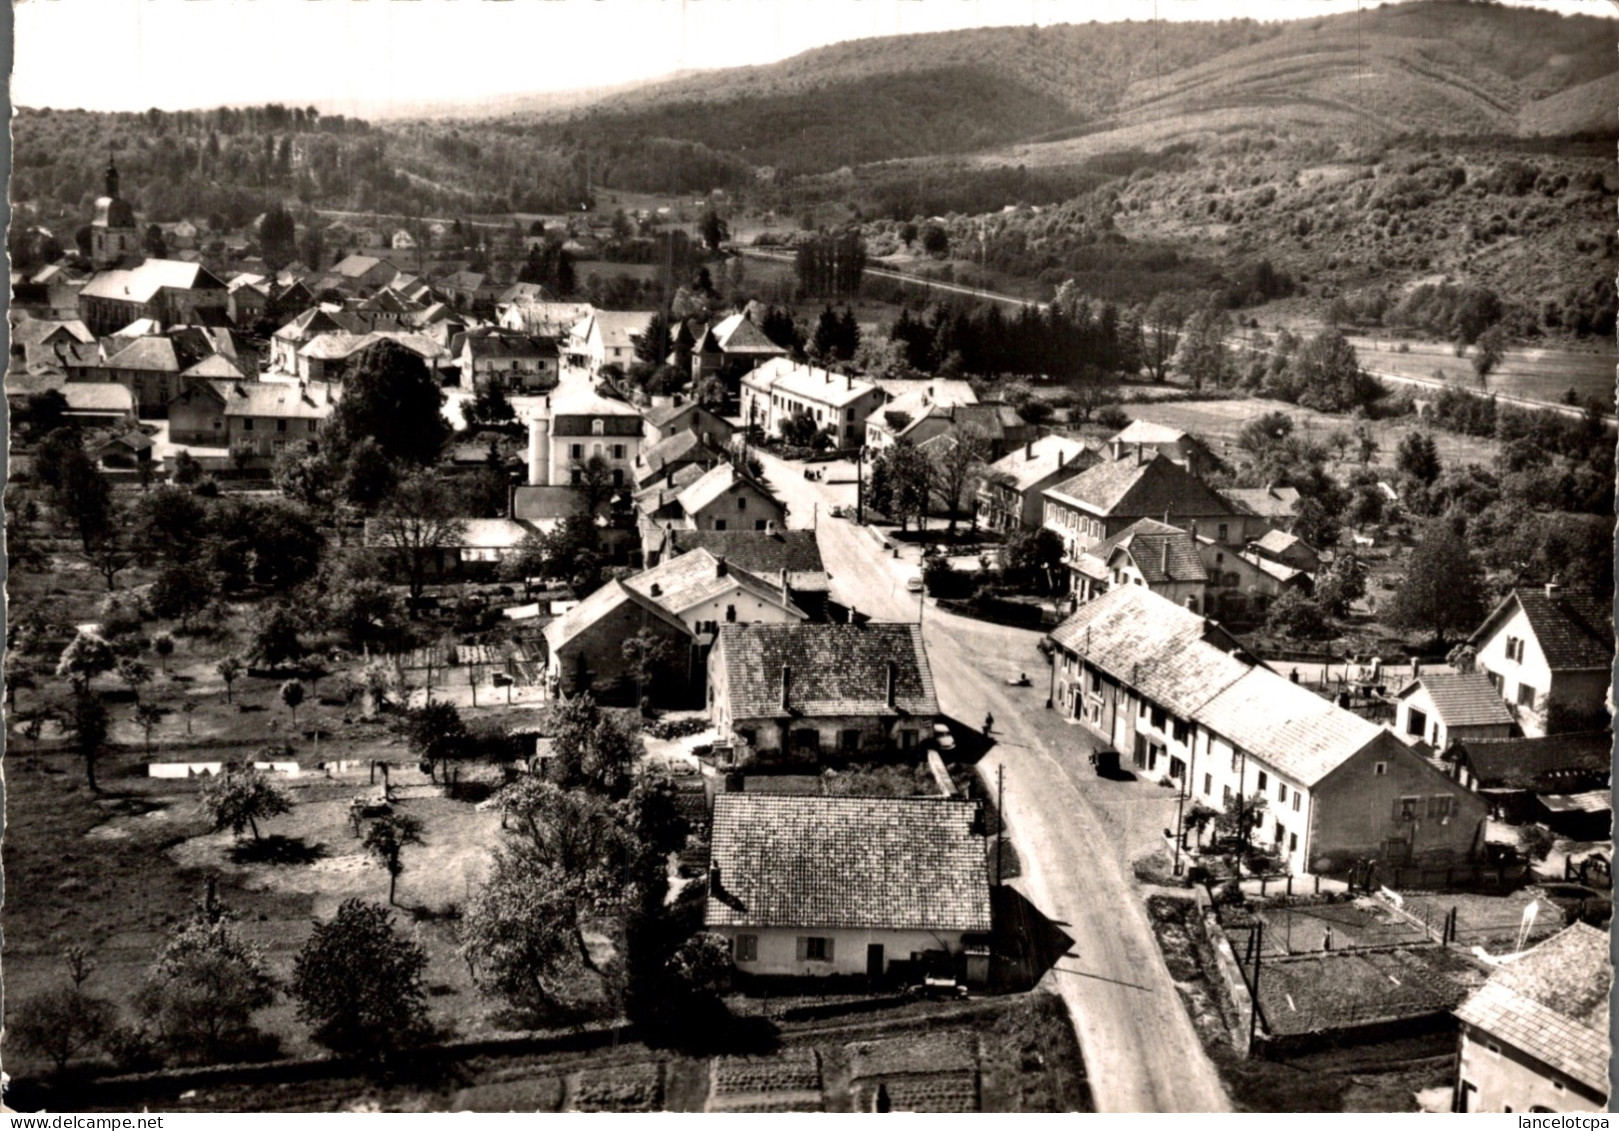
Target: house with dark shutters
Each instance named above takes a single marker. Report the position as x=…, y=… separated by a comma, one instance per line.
x=812, y=693
x=823, y=886
x=1550, y=655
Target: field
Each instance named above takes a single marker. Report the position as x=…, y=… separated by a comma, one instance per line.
x=1219, y=422
x=997, y=1054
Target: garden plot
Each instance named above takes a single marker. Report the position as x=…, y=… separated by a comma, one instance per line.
x=1305, y=927
x=1490, y=921
x=790, y=1081
x=630, y=1087
x=933, y=1073
x=1340, y=990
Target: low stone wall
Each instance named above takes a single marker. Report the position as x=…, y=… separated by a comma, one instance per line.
x=1220, y=967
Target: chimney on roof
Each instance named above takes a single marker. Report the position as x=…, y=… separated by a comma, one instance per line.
x=786, y=684
x=1141, y=456
x=851, y=614
x=714, y=879
x=784, y=601
x=1164, y=547
x=893, y=678
x=770, y=526
x=1062, y=459
x=1552, y=588
x=1028, y=450
x=720, y=568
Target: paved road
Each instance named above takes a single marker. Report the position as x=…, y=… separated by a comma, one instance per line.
x=1141, y=1053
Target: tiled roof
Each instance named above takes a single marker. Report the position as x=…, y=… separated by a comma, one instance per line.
x=1574, y=632
x=596, y=606
x=783, y=375
x=1152, y=488
x=1552, y=1003
x=665, y=492
x=680, y=446
x=140, y=284
x=1281, y=572
x=1277, y=541
x=1265, y=502
x=1557, y=762
x=98, y=396
x=1153, y=645
x=484, y=347
x=876, y=863
x=836, y=669
x=152, y=355
x=277, y=399
x=1033, y=462
x=693, y=578
x=738, y=334
x=1294, y=730
x=1462, y=699
x=715, y=482
x=993, y=418
x=618, y=328
x=1161, y=553
x=761, y=552
x=1592, y=801
x=541, y=504
x=1146, y=432
x=215, y=365
x=577, y=398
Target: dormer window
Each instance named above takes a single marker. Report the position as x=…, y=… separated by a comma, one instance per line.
x=597, y=428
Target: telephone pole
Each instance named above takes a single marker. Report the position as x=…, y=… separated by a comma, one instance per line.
x=1000, y=820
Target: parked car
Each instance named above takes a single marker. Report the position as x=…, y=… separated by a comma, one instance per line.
x=913, y=584
x=942, y=738
x=840, y=512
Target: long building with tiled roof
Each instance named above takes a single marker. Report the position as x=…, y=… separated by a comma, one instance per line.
x=1181, y=702
x=817, y=886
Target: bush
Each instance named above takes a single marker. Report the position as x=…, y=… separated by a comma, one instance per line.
x=1112, y=416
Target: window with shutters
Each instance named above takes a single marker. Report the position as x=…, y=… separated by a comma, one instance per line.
x=1297, y=800
x=1526, y=695
x=1208, y=784
x=1281, y=791
x=1264, y=781
x=719, y=524
x=1158, y=718
x=1292, y=842
x=747, y=948
x=618, y=451
x=1439, y=807
x=1407, y=808
x=576, y=451
x=1182, y=731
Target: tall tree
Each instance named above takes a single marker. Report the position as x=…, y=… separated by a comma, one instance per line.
x=201, y=993
x=278, y=238
x=419, y=522
x=1442, y=590
x=956, y=461
x=239, y=799
x=390, y=396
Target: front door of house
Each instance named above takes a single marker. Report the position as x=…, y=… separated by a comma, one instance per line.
x=874, y=960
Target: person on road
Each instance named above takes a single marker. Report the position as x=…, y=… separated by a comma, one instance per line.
x=989, y=722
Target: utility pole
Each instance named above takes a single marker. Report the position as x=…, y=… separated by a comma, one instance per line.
x=1259, y=949
x=1000, y=820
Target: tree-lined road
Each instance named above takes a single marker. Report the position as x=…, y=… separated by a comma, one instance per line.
x=1141, y=1052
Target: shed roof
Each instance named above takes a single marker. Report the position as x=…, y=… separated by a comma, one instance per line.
x=1552, y=1002
x=1462, y=699
x=894, y=863
x=1552, y=763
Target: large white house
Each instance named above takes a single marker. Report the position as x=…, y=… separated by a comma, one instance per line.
x=781, y=389
x=1550, y=655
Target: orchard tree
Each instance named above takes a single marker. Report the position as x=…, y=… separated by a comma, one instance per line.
x=358, y=984
x=61, y=1023
x=89, y=725
x=386, y=841
x=239, y=799
x=292, y=694
x=229, y=670
x=86, y=656
x=437, y=734
x=275, y=637
x=163, y=645
x=593, y=748
x=201, y=993
x=1340, y=584
x=1418, y=457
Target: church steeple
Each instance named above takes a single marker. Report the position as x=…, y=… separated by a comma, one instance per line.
x=112, y=179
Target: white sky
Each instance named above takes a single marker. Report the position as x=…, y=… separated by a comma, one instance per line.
x=355, y=55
